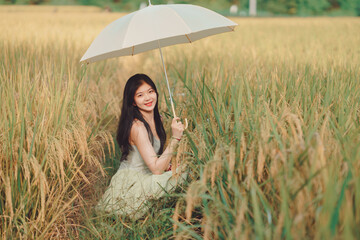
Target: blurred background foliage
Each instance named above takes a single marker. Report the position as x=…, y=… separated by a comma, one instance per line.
x=264, y=7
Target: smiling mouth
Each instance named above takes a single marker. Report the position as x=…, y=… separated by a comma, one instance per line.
x=148, y=104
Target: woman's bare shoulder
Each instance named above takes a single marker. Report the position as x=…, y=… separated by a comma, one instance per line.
x=137, y=129
x=137, y=124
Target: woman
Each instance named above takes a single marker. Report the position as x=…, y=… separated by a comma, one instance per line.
x=143, y=171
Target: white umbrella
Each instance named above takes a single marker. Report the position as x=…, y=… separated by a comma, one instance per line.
x=153, y=27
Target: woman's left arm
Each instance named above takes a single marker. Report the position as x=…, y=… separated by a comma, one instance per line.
x=140, y=138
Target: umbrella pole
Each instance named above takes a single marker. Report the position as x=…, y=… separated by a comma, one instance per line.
x=167, y=81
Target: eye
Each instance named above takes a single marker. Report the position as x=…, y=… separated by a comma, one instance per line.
x=139, y=95
x=151, y=91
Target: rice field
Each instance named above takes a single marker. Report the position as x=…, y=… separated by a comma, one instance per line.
x=273, y=144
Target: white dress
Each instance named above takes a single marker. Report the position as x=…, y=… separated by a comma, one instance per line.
x=133, y=184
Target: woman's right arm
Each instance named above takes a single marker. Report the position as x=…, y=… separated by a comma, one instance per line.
x=140, y=138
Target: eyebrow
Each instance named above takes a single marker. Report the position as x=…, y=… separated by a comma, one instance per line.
x=144, y=91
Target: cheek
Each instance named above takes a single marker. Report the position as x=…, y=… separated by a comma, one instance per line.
x=136, y=101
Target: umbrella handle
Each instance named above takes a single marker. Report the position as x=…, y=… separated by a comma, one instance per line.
x=173, y=109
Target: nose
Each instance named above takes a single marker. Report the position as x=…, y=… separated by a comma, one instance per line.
x=147, y=96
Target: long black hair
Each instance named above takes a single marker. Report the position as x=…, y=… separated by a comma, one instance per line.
x=130, y=112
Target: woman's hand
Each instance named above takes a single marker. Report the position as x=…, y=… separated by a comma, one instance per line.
x=177, y=128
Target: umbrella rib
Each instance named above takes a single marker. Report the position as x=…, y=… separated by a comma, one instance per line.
x=231, y=28
x=177, y=14
x=188, y=38
x=128, y=27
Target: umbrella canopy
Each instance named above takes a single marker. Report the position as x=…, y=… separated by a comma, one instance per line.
x=153, y=27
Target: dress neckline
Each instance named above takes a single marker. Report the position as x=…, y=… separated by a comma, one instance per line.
x=154, y=138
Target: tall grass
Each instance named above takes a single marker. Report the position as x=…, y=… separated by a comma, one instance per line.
x=272, y=146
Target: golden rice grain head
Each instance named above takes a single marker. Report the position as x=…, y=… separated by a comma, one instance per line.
x=176, y=161
x=231, y=161
x=2, y=159
x=110, y=142
x=320, y=153
x=60, y=156
x=193, y=198
x=29, y=137
x=300, y=207
x=183, y=235
x=82, y=175
x=293, y=130
x=9, y=205
x=51, y=156
x=275, y=164
x=249, y=169
x=27, y=169
x=68, y=143
x=216, y=164
x=297, y=121
x=16, y=170
x=97, y=146
x=216, y=167
x=205, y=176
x=265, y=133
x=43, y=191
x=80, y=141
x=242, y=148
x=260, y=163
x=240, y=217
x=206, y=228
x=279, y=227
x=95, y=163
x=299, y=136
x=175, y=217
x=317, y=157
x=43, y=185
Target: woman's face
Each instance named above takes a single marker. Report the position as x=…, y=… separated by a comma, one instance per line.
x=145, y=98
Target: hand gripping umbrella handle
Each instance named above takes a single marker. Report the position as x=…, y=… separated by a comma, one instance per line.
x=186, y=121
